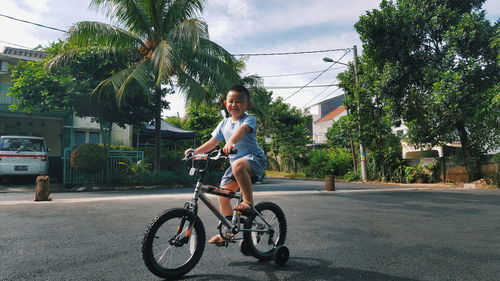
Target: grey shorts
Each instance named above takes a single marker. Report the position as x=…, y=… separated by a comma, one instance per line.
x=257, y=164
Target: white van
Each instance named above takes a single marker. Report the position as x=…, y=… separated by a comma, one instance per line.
x=23, y=155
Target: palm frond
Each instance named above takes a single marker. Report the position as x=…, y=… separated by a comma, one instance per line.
x=192, y=89
x=189, y=32
x=214, y=65
x=208, y=76
x=252, y=81
x=180, y=10
x=215, y=49
x=89, y=34
x=162, y=63
x=139, y=74
x=119, y=82
x=128, y=13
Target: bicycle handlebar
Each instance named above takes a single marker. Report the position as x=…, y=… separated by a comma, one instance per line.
x=213, y=155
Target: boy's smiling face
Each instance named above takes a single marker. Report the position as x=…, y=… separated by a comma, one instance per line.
x=236, y=104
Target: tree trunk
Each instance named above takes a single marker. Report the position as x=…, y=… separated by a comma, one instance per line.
x=157, y=114
x=471, y=162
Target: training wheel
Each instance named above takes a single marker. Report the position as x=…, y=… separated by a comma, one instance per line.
x=244, y=249
x=281, y=255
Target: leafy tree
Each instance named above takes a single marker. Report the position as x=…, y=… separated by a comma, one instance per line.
x=163, y=41
x=37, y=90
x=285, y=134
x=202, y=119
x=437, y=71
x=339, y=133
x=174, y=120
x=370, y=118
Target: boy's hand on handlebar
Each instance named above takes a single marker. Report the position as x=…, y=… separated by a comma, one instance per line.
x=229, y=148
x=188, y=151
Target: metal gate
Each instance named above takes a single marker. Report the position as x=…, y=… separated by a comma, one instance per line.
x=116, y=169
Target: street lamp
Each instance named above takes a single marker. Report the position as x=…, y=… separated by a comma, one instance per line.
x=327, y=59
x=361, y=147
x=351, y=144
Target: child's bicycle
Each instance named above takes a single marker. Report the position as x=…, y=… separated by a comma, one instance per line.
x=174, y=241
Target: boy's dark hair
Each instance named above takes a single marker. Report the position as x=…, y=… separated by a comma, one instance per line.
x=241, y=89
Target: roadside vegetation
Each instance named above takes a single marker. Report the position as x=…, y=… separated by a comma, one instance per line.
x=430, y=65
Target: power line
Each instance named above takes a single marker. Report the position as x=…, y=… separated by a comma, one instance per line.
x=15, y=45
x=331, y=93
x=318, y=75
x=236, y=55
x=291, y=53
x=34, y=23
x=296, y=74
x=317, y=96
x=294, y=87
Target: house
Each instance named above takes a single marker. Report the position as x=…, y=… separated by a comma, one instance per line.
x=60, y=129
x=324, y=114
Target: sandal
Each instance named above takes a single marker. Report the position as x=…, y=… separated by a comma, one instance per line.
x=243, y=208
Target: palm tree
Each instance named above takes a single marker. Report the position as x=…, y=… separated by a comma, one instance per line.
x=166, y=44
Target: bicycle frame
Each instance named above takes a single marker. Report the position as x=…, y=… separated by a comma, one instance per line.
x=201, y=189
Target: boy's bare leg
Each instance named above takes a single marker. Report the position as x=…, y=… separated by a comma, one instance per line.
x=225, y=203
x=243, y=174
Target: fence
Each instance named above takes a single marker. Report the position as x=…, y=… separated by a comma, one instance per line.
x=117, y=172
x=452, y=170
x=113, y=173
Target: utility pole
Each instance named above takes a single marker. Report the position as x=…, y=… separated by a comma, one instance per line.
x=361, y=147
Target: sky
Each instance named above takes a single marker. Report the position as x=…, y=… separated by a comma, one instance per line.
x=241, y=27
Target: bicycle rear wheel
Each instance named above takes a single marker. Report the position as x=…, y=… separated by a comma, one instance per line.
x=261, y=245
x=173, y=243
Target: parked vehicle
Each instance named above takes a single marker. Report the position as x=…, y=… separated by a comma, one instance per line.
x=23, y=155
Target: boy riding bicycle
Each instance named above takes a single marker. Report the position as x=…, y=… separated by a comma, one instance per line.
x=249, y=162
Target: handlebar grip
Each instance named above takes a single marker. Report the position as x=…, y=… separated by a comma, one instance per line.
x=232, y=151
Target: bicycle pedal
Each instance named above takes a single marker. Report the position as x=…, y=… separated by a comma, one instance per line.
x=220, y=244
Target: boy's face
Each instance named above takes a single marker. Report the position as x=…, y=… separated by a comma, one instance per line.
x=236, y=104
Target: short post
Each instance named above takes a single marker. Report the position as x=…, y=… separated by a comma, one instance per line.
x=330, y=182
x=42, y=188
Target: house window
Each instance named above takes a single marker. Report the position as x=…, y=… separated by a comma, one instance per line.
x=4, y=89
x=94, y=137
x=82, y=137
x=4, y=66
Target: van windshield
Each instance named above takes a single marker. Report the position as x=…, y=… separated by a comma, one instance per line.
x=21, y=144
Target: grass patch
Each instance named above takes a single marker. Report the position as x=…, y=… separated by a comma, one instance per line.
x=276, y=174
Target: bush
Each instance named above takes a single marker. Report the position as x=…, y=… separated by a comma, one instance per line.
x=335, y=161
x=351, y=176
x=319, y=164
x=88, y=157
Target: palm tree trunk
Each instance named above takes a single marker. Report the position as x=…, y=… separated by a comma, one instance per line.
x=157, y=114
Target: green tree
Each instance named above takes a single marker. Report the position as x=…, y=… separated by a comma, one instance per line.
x=202, y=119
x=38, y=90
x=437, y=70
x=163, y=41
x=174, y=120
x=285, y=135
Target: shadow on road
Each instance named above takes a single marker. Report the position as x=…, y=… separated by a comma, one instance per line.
x=300, y=268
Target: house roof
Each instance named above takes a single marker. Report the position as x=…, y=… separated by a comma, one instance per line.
x=332, y=114
x=171, y=132
x=330, y=104
x=23, y=53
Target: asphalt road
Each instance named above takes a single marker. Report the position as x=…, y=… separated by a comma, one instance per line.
x=361, y=232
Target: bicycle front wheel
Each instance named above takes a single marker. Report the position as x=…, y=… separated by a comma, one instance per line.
x=268, y=230
x=173, y=243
